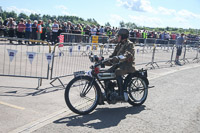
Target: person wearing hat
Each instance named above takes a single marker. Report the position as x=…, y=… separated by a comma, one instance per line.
x=179, y=43
x=11, y=28
x=124, y=53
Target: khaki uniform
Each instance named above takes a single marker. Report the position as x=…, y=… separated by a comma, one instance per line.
x=126, y=48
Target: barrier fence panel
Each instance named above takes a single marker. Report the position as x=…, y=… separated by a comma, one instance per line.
x=79, y=38
x=24, y=60
x=34, y=61
x=69, y=58
x=75, y=38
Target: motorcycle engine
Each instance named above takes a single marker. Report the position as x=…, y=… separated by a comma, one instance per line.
x=111, y=93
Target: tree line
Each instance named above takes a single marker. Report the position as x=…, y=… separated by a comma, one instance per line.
x=90, y=21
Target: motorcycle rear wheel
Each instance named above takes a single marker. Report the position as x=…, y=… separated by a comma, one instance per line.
x=137, y=91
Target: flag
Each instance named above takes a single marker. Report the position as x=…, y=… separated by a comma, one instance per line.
x=49, y=57
x=31, y=56
x=11, y=54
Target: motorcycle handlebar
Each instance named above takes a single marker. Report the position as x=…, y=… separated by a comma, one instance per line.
x=101, y=62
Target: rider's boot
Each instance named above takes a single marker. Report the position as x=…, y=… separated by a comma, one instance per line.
x=120, y=86
x=101, y=99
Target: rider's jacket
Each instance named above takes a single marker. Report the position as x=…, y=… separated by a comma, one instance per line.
x=125, y=48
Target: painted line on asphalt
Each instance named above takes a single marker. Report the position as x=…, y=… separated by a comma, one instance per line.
x=11, y=105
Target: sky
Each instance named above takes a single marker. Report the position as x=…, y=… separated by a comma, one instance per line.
x=150, y=13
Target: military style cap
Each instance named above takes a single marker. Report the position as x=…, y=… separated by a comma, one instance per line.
x=122, y=31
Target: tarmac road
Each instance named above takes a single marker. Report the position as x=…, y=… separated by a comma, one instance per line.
x=172, y=106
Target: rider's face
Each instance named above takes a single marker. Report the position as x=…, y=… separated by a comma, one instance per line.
x=119, y=38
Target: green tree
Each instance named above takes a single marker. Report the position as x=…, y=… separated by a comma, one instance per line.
x=107, y=24
x=3, y=15
x=11, y=14
x=122, y=24
x=130, y=25
x=34, y=16
x=22, y=15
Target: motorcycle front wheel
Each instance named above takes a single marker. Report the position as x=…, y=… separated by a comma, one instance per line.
x=82, y=95
x=137, y=91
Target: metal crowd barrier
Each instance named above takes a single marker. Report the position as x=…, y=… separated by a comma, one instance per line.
x=75, y=38
x=63, y=59
x=71, y=57
x=27, y=61
x=79, y=38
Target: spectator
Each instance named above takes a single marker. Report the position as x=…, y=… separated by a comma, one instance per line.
x=63, y=27
x=113, y=31
x=97, y=30
x=39, y=30
x=144, y=34
x=11, y=28
x=179, y=43
x=60, y=27
x=87, y=32
x=68, y=27
x=34, y=30
x=43, y=34
x=48, y=30
x=82, y=29
x=173, y=36
x=28, y=30
x=4, y=27
x=101, y=30
x=93, y=30
x=132, y=33
x=109, y=32
x=21, y=29
x=167, y=36
x=78, y=31
x=55, y=28
x=138, y=34
x=163, y=35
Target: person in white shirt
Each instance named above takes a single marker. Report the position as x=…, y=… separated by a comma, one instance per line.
x=55, y=28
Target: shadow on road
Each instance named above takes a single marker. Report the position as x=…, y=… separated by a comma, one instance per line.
x=101, y=118
x=23, y=91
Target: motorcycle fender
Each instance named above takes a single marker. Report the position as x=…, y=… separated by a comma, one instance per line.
x=145, y=80
x=139, y=76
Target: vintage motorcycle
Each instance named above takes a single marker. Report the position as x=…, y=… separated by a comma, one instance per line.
x=88, y=89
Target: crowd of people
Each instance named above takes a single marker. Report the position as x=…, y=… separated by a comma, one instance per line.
x=38, y=30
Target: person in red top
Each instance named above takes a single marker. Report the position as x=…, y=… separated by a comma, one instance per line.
x=21, y=28
x=39, y=30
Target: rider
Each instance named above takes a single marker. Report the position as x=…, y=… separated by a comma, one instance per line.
x=124, y=53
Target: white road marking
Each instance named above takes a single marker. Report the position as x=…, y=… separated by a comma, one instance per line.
x=11, y=105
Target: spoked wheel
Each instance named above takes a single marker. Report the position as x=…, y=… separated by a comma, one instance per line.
x=137, y=90
x=82, y=95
